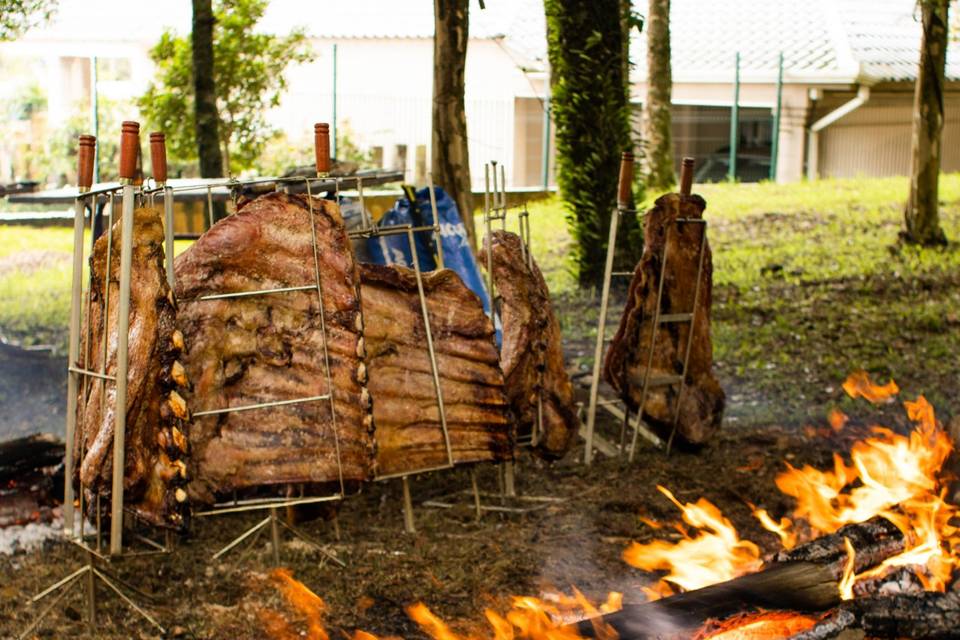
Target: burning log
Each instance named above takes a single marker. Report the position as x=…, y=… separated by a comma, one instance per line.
x=803, y=579
x=928, y=615
x=629, y=361
x=794, y=585
x=874, y=541
x=532, y=353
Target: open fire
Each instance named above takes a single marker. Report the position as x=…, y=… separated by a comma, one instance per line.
x=893, y=477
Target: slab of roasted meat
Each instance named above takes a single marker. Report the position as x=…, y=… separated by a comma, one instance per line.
x=532, y=352
x=701, y=406
x=271, y=347
x=409, y=433
x=156, y=427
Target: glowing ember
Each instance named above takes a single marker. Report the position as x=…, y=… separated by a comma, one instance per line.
x=837, y=420
x=858, y=385
x=714, y=555
x=771, y=625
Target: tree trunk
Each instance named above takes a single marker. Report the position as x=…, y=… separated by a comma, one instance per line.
x=656, y=122
x=922, y=216
x=592, y=116
x=206, y=118
x=451, y=159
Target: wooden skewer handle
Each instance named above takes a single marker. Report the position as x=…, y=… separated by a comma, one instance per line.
x=158, y=156
x=85, y=153
x=321, y=146
x=129, y=143
x=686, y=176
x=625, y=184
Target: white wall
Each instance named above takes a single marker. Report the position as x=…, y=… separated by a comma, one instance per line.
x=384, y=92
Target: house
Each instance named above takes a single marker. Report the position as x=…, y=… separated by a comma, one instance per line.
x=848, y=74
x=849, y=68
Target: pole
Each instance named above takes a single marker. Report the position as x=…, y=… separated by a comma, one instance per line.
x=333, y=120
x=85, y=154
x=624, y=187
x=409, y=525
x=735, y=122
x=129, y=143
x=95, y=117
x=545, y=166
x=775, y=142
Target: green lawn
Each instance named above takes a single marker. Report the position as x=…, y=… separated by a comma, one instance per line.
x=809, y=284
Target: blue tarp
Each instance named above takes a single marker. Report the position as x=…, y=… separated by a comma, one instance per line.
x=456, y=248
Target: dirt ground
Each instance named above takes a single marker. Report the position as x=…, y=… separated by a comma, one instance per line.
x=455, y=564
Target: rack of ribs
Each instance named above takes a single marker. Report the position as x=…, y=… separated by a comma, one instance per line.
x=409, y=432
x=271, y=347
x=532, y=353
x=701, y=405
x=156, y=447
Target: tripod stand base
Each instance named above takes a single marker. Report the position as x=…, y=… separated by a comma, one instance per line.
x=275, y=522
x=90, y=574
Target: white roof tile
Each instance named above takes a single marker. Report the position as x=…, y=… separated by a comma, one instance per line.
x=822, y=40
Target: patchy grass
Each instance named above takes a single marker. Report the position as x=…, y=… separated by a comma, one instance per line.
x=809, y=284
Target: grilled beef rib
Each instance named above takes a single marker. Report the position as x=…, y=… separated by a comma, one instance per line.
x=272, y=347
x=701, y=405
x=532, y=353
x=156, y=435
x=409, y=433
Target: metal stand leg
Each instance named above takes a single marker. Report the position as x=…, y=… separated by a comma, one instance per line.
x=601, y=335
x=476, y=493
x=408, y=524
x=275, y=536
x=275, y=522
x=243, y=536
x=91, y=594
x=509, y=479
x=336, y=527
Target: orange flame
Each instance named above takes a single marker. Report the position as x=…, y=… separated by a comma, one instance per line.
x=528, y=618
x=788, y=538
x=858, y=385
x=716, y=554
x=893, y=476
x=889, y=475
x=849, y=576
x=304, y=601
